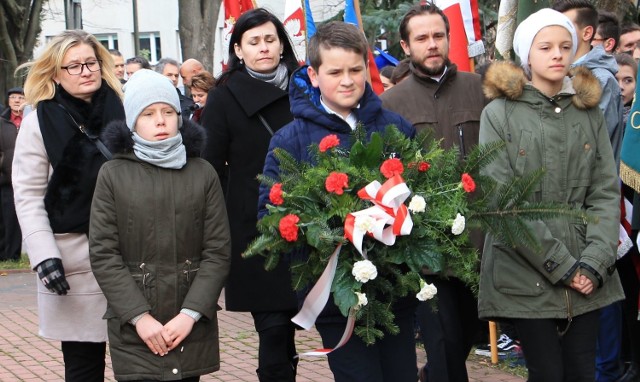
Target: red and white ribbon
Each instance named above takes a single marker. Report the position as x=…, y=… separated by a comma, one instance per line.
x=391, y=219
x=391, y=216
x=316, y=301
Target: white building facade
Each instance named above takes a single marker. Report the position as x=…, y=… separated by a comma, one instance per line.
x=111, y=21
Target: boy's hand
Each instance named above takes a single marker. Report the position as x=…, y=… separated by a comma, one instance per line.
x=151, y=332
x=582, y=284
x=178, y=329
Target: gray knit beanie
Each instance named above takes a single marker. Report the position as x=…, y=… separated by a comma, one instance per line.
x=146, y=87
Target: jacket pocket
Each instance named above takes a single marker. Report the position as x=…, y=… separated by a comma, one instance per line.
x=513, y=275
x=122, y=332
x=467, y=125
x=522, y=153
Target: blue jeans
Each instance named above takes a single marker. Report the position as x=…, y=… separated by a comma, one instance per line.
x=609, y=343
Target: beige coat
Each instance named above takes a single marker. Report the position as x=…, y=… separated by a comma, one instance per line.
x=78, y=315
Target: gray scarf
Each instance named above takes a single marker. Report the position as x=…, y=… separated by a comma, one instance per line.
x=168, y=153
x=279, y=77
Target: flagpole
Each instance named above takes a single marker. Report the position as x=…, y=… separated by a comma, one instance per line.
x=356, y=7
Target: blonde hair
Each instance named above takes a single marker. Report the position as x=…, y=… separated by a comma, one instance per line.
x=40, y=84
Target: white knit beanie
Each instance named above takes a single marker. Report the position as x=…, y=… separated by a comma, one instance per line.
x=529, y=28
x=146, y=87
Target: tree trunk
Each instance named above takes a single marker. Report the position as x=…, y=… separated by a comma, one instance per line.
x=197, y=23
x=19, y=30
x=619, y=7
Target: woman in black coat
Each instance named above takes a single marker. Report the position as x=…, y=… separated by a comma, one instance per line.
x=249, y=103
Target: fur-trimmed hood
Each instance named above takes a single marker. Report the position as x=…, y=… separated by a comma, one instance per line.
x=506, y=79
x=117, y=137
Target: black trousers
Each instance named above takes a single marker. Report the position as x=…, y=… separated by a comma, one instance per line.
x=448, y=330
x=631, y=287
x=84, y=361
x=555, y=357
x=12, y=233
x=277, y=361
x=390, y=359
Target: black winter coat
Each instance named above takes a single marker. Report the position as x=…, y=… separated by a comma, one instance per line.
x=8, y=135
x=236, y=147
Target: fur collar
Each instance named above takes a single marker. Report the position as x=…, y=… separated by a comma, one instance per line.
x=506, y=79
x=117, y=137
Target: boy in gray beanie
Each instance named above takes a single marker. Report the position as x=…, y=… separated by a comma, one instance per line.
x=159, y=239
x=144, y=88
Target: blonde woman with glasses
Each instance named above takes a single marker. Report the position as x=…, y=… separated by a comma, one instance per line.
x=74, y=93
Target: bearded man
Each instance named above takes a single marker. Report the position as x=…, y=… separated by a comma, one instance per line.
x=436, y=96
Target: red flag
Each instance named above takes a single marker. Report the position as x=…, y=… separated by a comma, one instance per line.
x=294, y=23
x=232, y=10
x=458, y=42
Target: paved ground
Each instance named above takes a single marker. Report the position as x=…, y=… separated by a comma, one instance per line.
x=26, y=357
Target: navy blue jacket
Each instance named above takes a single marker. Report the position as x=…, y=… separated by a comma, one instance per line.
x=312, y=123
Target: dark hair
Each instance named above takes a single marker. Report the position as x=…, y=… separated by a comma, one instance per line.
x=138, y=60
x=336, y=34
x=609, y=26
x=586, y=13
x=249, y=20
x=627, y=59
x=628, y=28
x=115, y=52
x=387, y=71
x=401, y=71
x=418, y=10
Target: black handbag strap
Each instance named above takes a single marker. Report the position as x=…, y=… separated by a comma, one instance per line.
x=265, y=124
x=93, y=138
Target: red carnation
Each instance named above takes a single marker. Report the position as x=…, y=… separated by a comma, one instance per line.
x=336, y=182
x=467, y=183
x=289, y=227
x=391, y=167
x=275, y=195
x=423, y=166
x=328, y=142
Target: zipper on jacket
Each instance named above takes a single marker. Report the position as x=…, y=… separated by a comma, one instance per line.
x=145, y=274
x=569, y=318
x=463, y=153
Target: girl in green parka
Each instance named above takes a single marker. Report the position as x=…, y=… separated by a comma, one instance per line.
x=159, y=239
x=549, y=118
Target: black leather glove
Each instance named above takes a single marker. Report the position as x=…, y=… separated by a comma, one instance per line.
x=51, y=273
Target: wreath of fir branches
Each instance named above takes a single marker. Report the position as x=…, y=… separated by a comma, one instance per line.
x=432, y=246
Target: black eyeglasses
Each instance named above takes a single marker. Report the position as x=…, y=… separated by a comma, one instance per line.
x=76, y=69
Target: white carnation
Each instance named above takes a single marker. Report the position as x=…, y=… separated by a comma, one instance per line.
x=365, y=223
x=417, y=204
x=364, y=271
x=458, y=225
x=427, y=292
x=362, y=300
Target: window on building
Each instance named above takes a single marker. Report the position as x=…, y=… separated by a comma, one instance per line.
x=150, y=42
x=109, y=41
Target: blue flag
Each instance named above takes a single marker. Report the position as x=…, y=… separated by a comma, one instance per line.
x=350, y=13
x=308, y=17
